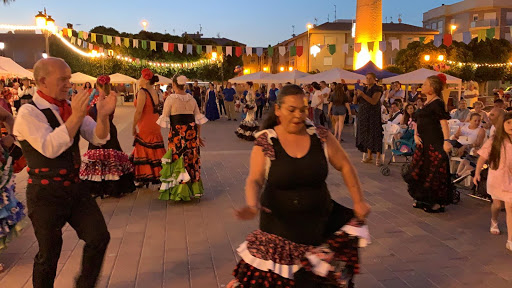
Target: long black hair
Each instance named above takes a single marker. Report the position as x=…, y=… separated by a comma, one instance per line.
x=271, y=120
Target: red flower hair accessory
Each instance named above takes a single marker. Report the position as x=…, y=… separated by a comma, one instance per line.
x=147, y=74
x=442, y=77
x=103, y=80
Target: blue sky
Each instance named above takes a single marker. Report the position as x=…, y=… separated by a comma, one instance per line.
x=255, y=23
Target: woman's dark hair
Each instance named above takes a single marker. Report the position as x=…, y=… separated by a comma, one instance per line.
x=498, y=142
x=271, y=120
x=250, y=83
x=339, y=97
x=87, y=86
x=176, y=85
x=406, y=114
x=373, y=75
x=316, y=86
x=437, y=85
x=154, y=80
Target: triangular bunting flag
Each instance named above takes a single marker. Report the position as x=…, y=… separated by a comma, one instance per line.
x=422, y=39
x=126, y=42
x=166, y=47
x=93, y=37
x=65, y=32
x=79, y=42
x=135, y=43
x=80, y=34
x=332, y=49
x=481, y=35
x=293, y=51
x=152, y=45
x=85, y=35
x=208, y=49
x=70, y=33
x=259, y=51
x=395, y=44
x=344, y=48
x=490, y=33
x=438, y=40
x=248, y=51
x=100, y=50
x=466, y=37
x=144, y=44
x=199, y=49
x=109, y=39
x=61, y=33
x=383, y=46
x=447, y=39
x=84, y=45
x=219, y=50
x=300, y=50
x=118, y=41
x=357, y=47
x=238, y=51
x=229, y=50
x=171, y=47
x=73, y=40
x=104, y=39
x=282, y=50
x=370, y=45
x=270, y=51
x=91, y=47
x=189, y=48
x=180, y=48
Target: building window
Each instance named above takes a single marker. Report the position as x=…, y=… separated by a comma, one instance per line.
x=327, y=61
x=434, y=26
x=349, y=61
x=440, y=26
x=427, y=26
x=475, y=17
x=329, y=40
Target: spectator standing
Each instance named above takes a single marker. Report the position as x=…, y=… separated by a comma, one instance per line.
x=471, y=94
x=260, y=102
x=229, y=100
x=272, y=95
x=220, y=100
x=413, y=95
x=326, y=93
x=196, y=92
x=212, y=113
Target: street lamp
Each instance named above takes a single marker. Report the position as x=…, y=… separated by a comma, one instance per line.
x=309, y=26
x=45, y=55
x=290, y=68
x=144, y=24
x=2, y=46
x=452, y=28
x=281, y=69
x=426, y=58
x=440, y=57
x=47, y=25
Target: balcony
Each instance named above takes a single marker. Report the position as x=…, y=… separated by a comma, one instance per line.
x=488, y=23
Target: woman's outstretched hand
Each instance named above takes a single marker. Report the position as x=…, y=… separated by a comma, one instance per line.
x=249, y=213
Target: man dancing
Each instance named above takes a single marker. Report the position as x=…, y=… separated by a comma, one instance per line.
x=47, y=130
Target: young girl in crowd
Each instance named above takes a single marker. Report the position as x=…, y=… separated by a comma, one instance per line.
x=498, y=152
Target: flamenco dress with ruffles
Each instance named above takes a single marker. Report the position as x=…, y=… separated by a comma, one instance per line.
x=305, y=239
x=11, y=210
x=249, y=126
x=181, y=165
x=106, y=170
x=148, y=145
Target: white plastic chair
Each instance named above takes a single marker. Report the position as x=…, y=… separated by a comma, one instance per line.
x=390, y=130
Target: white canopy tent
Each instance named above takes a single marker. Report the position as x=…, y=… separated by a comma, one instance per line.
x=285, y=77
x=80, y=78
x=10, y=68
x=333, y=75
x=258, y=77
x=163, y=80
x=419, y=76
x=119, y=78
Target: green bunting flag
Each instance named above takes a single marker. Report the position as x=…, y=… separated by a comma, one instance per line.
x=104, y=39
x=199, y=49
x=270, y=51
x=422, y=39
x=144, y=44
x=293, y=51
x=490, y=33
x=332, y=49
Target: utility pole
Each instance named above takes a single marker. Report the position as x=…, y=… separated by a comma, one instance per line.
x=334, y=12
x=293, y=30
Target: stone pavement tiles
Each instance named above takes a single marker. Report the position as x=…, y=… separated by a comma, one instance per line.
x=164, y=244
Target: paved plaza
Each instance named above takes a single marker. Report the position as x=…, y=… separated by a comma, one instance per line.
x=179, y=245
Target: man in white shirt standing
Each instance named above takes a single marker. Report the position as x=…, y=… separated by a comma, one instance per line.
x=326, y=92
x=49, y=130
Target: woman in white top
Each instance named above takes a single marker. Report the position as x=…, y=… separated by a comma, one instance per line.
x=316, y=104
x=469, y=136
x=181, y=166
x=478, y=108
